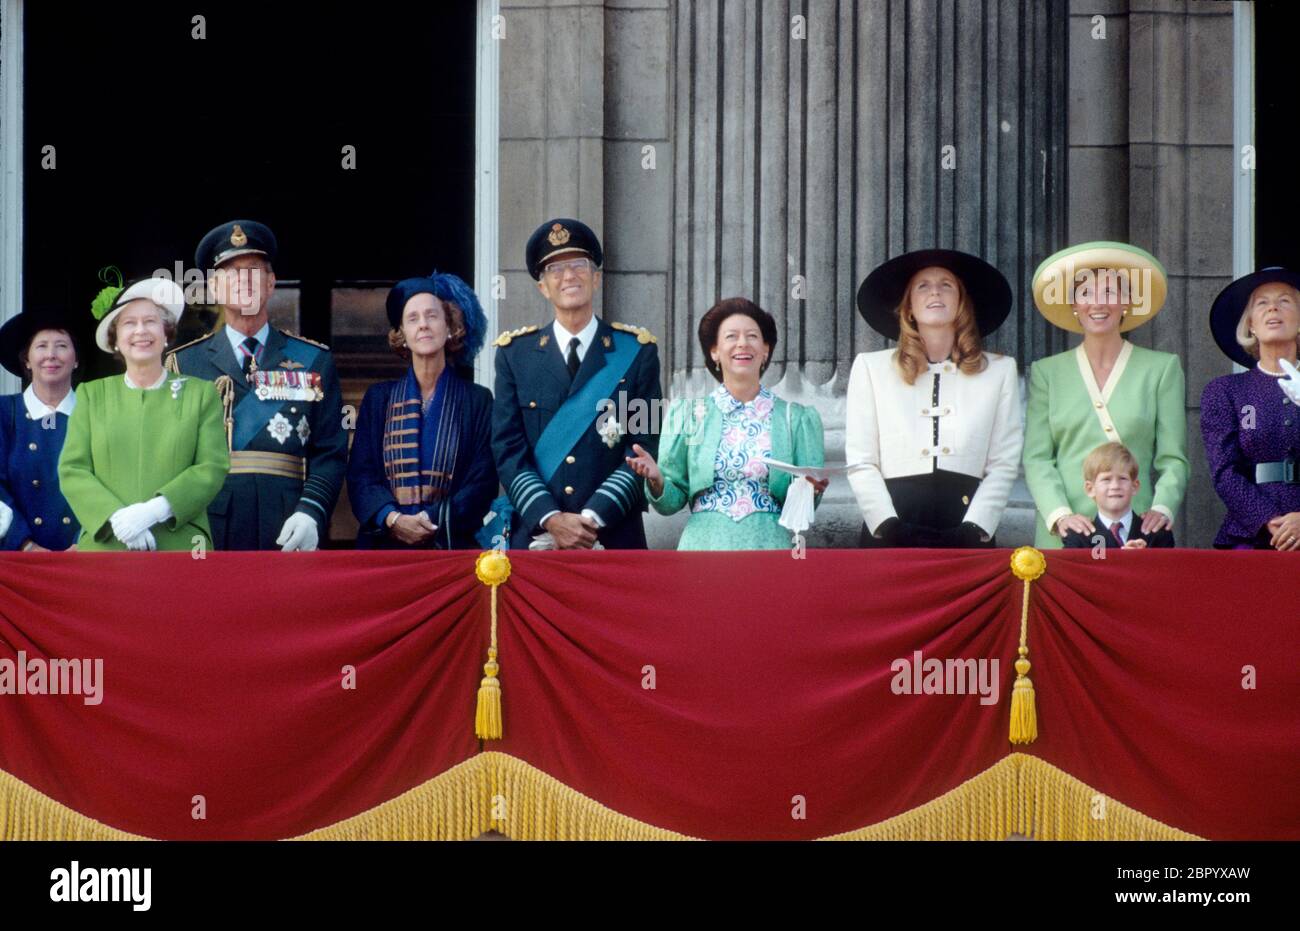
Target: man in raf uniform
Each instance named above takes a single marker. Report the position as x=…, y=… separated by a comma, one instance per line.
x=283, y=404
x=560, y=452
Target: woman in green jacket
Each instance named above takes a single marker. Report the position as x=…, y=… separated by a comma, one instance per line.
x=713, y=449
x=1107, y=390
x=145, y=453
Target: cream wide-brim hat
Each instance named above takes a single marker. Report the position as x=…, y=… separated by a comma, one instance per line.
x=1055, y=280
x=162, y=292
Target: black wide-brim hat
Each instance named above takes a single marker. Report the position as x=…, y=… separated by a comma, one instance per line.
x=883, y=289
x=1226, y=311
x=17, y=332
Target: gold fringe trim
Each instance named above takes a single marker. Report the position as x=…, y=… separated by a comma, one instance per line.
x=497, y=792
x=28, y=814
x=1020, y=794
x=493, y=791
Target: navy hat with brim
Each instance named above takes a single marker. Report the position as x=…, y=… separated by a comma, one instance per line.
x=1226, y=311
x=17, y=332
x=237, y=237
x=447, y=288
x=883, y=290
x=559, y=237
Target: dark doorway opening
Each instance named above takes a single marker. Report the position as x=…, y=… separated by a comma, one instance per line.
x=159, y=136
x=1277, y=188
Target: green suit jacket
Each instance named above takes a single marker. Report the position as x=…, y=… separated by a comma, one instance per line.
x=1066, y=417
x=126, y=445
x=693, y=431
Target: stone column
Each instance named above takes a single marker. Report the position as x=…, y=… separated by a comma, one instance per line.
x=811, y=144
x=1151, y=162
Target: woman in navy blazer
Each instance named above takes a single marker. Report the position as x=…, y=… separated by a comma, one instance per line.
x=40, y=345
x=421, y=475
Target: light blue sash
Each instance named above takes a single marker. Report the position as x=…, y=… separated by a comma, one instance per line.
x=577, y=414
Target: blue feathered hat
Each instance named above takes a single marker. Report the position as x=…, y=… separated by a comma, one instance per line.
x=448, y=288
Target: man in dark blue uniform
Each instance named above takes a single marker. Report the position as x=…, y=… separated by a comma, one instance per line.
x=560, y=451
x=284, y=406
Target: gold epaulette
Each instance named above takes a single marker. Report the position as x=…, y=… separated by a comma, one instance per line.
x=170, y=363
x=505, y=338
x=643, y=335
x=306, y=340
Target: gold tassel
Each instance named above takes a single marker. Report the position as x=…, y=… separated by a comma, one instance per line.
x=492, y=568
x=1027, y=564
x=487, y=716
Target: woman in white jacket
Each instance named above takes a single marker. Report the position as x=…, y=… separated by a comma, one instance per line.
x=933, y=434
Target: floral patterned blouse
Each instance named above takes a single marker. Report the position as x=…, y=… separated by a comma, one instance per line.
x=739, y=473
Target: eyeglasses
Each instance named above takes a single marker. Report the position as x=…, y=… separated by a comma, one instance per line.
x=556, y=270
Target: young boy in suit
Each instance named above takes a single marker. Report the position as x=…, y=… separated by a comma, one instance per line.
x=1110, y=479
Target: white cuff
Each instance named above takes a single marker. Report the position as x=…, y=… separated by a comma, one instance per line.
x=593, y=517
x=1055, y=516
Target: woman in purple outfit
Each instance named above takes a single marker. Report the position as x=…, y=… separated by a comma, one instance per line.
x=1250, y=420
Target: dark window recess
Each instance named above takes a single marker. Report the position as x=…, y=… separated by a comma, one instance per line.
x=160, y=136
x=1277, y=188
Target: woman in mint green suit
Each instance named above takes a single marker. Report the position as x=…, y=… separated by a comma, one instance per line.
x=712, y=449
x=1106, y=390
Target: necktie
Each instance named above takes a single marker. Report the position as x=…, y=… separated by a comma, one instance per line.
x=1117, y=531
x=250, y=347
x=572, y=360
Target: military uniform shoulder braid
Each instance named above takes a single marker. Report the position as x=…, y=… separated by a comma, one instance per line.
x=642, y=335
x=505, y=338
x=305, y=339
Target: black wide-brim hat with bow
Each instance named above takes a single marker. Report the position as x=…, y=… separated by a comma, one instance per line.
x=17, y=332
x=883, y=290
x=1226, y=311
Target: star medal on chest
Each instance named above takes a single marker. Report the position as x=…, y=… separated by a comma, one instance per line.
x=276, y=385
x=279, y=428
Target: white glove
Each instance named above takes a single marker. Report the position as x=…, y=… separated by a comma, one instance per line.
x=1290, y=384
x=144, y=541
x=134, y=519
x=298, y=533
x=6, y=518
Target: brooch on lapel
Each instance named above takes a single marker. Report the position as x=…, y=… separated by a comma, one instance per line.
x=175, y=385
x=608, y=427
x=544, y=340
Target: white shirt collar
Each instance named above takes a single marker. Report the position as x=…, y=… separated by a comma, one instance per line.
x=1126, y=521
x=237, y=339
x=133, y=386
x=37, y=408
x=585, y=338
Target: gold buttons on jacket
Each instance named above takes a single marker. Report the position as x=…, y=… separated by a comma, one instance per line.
x=570, y=460
x=568, y=489
x=925, y=452
x=32, y=447
x=947, y=366
x=37, y=521
x=532, y=403
x=67, y=520
x=965, y=499
x=1098, y=404
x=946, y=450
x=1110, y=429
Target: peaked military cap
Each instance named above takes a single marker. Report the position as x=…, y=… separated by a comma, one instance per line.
x=237, y=237
x=558, y=236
